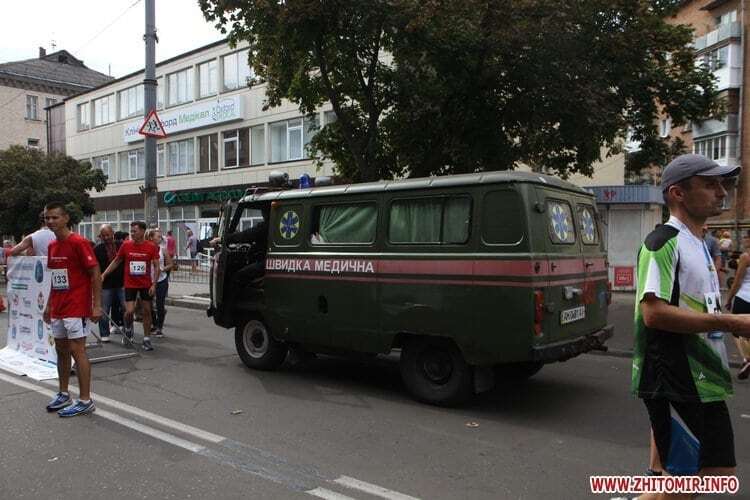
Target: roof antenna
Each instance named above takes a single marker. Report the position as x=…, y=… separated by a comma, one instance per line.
x=109, y=69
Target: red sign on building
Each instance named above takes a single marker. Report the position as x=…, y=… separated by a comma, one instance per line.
x=624, y=276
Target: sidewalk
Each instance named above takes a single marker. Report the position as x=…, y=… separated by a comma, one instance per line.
x=190, y=295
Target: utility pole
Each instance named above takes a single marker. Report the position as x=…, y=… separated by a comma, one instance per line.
x=149, y=100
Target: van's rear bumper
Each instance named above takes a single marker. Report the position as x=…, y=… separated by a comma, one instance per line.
x=560, y=351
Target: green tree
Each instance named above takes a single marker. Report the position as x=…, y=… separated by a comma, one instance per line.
x=426, y=87
x=29, y=179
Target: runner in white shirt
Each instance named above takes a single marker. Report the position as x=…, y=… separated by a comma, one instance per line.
x=38, y=241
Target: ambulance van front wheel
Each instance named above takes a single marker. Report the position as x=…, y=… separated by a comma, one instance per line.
x=435, y=372
x=257, y=347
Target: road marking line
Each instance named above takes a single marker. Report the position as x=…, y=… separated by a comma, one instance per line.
x=372, y=489
x=150, y=431
x=147, y=415
x=144, y=429
x=328, y=494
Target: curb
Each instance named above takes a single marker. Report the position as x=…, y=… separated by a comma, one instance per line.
x=188, y=303
x=623, y=353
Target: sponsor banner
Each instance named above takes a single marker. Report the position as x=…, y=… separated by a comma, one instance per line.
x=20, y=364
x=202, y=114
x=28, y=334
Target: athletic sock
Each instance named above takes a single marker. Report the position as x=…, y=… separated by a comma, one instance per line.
x=65, y=393
x=85, y=401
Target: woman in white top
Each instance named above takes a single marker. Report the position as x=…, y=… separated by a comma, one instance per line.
x=738, y=299
x=162, y=284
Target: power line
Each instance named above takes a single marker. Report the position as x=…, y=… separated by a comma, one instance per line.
x=108, y=26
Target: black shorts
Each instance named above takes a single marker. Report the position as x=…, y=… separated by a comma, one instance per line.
x=132, y=293
x=739, y=306
x=691, y=436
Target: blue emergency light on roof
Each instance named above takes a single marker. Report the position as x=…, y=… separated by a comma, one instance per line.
x=305, y=181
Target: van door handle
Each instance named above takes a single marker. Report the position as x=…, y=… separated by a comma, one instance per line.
x=588, y=264
x=553, y=266
x=571, y=291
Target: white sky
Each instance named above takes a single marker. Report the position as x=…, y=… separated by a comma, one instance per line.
x=72, y=24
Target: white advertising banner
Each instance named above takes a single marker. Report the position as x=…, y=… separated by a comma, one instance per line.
x=202, y=114
x=28, y=334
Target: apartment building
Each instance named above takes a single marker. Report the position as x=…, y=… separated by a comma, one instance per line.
x=719, y=28
x=220, y=139
x=28, y=87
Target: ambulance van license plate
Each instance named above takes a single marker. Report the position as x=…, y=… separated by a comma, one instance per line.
x=571, y=315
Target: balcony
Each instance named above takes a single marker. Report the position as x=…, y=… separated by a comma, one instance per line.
x=720, y=34
x=729, y=125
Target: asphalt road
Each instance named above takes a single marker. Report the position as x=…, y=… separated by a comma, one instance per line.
x=190, y=421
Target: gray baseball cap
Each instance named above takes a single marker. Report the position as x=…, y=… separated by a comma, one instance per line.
x=685, y=166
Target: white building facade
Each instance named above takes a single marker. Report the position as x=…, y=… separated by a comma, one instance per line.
x=220, y=139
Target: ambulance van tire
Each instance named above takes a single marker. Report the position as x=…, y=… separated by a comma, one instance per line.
x=435, y=372
x=257, y=347
x=516, y=372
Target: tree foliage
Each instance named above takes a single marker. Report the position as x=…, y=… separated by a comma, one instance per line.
x=29, y=179
x=425, y=87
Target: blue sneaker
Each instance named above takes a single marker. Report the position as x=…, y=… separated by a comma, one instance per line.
x=79, y=408
x=59, y=402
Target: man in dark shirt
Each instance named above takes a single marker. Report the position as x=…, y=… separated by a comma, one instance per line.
x=113, y=294
x=258, y=236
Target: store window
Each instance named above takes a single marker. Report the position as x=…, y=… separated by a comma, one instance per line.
x=236, y=148
x=104, y=111
x=237, y=71
x=208, y=153
x=84, y=116
x=31, y=107
x=208, y=78
x=131, y=101
x=132, y=165
x=181, y=157
x=290, y=138
x=180, y=87
x=258, y=145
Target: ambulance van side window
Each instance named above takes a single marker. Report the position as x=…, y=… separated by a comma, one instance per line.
x=345, y=224
x=438, y=220
x=502, y=218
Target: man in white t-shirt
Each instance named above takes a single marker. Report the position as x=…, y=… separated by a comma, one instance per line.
x=37, y=242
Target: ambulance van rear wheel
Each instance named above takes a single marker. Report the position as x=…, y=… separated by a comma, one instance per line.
x=257, y=347
x=435, y=372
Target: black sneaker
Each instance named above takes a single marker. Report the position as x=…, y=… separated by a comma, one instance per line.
x=159, y=334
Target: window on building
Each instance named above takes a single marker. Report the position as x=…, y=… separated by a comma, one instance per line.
x=237, y=71
x=717, y=58
x=181, y=157
x=258, y=145
x=726, y=18
x=32, y=143
x=347, y=224
x=665, y=127
x=31, y=107
x=131, y=102
x=104, y=111
x=105, y=164
x=160, y=93
x=160, y=161
x=208, y=153
x=236, y=148
x=716, y=148
x=290, y=138
x=208, y=78
x=329, y=117
x=132, y=165
x=180, y=87
x=84, y=116
x=49, y=101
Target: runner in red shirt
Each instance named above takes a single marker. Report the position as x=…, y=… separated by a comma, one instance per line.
x=76, y=285
x=141, y=270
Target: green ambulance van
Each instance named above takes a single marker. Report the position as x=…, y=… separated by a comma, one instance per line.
x=474, y=278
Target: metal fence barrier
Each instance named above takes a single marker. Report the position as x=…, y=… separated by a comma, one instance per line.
x=191, y=271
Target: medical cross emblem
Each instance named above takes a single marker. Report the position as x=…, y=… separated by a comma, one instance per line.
x=562, y=225
x=289, y=225
x=588, y=229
